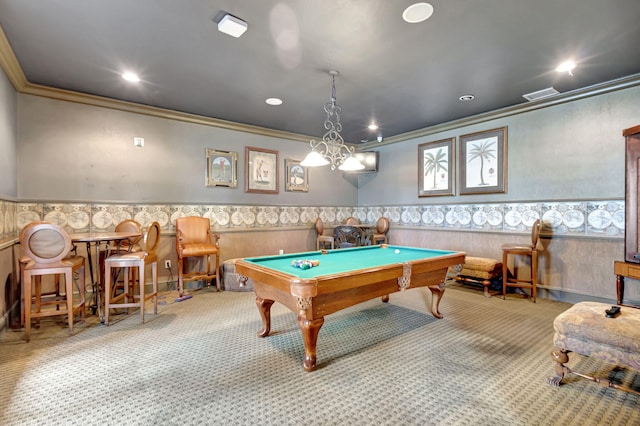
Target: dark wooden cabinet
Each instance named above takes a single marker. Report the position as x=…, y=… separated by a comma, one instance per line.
x=632, y=156
x=630, y=268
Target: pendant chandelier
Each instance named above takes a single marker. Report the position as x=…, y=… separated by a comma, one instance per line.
x=331, y=150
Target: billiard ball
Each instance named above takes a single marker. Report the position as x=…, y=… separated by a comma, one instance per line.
x=397, y=251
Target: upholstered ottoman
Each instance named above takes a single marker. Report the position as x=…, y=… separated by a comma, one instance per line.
x=481, y=270
x=586, y=330
x=230, y=281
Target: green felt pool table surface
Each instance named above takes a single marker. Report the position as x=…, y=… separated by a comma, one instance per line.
x=346, y=260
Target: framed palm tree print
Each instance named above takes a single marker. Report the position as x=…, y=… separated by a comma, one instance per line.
x=483, y=162
x=435, y=168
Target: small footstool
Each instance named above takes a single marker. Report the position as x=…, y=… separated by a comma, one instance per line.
x=483, y=271
x=586, y=330
x=230, y=281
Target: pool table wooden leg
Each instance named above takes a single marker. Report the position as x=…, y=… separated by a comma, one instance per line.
x=264, y=307
x=310, y=330
x=436, y=295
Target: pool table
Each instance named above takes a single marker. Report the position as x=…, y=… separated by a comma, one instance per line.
x=343, y=278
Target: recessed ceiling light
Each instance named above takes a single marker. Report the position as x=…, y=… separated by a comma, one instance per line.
x=566, y=66
x=274, y=101
x=417, y=12
x=373, y=126
x=465, y=98
x=129, y=76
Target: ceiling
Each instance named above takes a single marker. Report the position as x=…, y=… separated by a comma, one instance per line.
x=401, y=76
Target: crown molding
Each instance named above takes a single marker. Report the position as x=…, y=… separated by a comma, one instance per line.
x=598, y=89
x=132, y=107
x=9, y=63
x=11, y=67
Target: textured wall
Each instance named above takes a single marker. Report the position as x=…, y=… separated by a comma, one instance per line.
x=571, y=151
x=76, y=152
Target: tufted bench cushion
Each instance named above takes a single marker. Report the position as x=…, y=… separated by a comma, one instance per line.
x=586, y=330
x=230, y=281
x=481, y=270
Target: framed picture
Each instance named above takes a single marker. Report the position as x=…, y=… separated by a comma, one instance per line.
x=296, y=177
x=261, y=170
x=436, y=168
x=222, y=168
x=483, y=162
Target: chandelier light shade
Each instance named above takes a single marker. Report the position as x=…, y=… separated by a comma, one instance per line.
x=331, y=150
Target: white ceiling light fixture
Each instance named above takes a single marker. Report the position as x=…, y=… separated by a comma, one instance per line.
x=273, y=101
x=373, y=126
x=467, y=98
x=417, y=12
x=331, y=150
x=232, y=26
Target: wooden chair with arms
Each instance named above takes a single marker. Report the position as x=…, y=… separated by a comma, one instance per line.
x=138, y=260
x=521, y=250
x=47, y=249
x=195, y=240
x=346, y=236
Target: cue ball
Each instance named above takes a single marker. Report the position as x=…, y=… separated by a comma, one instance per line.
x=397, y=251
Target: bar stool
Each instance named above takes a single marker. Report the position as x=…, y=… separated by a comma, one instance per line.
x=140, y=260
x=521, y=250
x=195, y=240
x=47, y=248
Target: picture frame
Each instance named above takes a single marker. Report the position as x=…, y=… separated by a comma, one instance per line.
x=483, y=162
x=261, y=170
x=436, y=168
x=296, y=177
x=221, y=168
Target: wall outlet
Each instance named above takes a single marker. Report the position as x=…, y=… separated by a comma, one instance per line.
x=281, y=251
x=167, y=264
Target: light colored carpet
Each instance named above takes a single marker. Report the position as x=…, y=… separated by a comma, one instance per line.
x=199, y=362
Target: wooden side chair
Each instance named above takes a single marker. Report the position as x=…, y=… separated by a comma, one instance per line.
x=322, y=241
x=521, y=250
x=123, y=246
x=352, y=221
x=130, y=260
x=195, y=240
x=130, y=245
x=382, y=227
x=47, y=248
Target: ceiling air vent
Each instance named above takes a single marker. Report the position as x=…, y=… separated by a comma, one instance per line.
x=540, y=94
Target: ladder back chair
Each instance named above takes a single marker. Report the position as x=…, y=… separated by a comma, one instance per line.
x=521, y=250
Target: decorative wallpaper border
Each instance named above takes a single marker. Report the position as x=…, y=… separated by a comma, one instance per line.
x=575, y=218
